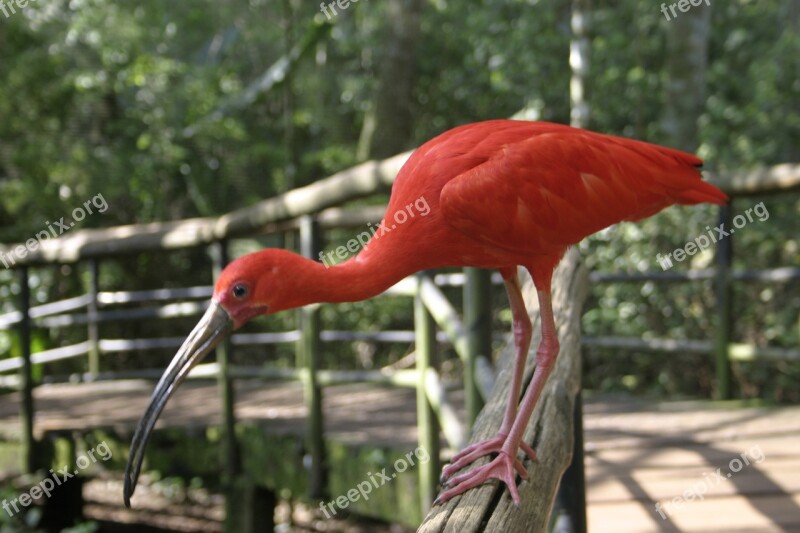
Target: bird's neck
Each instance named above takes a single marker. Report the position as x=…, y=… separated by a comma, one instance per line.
x=353, y=280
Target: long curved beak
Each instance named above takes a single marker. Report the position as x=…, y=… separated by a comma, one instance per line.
x=214, y=326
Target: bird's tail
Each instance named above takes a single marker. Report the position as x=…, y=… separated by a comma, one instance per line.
x=701, y=192
x=693, y=189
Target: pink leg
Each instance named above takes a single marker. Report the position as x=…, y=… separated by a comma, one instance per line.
x=505, y=465
x=522, y=340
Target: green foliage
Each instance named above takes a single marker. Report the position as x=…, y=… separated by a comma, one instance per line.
x=141, y=102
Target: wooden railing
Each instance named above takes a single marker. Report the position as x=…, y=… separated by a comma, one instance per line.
x=433, y=309
x=554, y=430
x=307, y=212
x=778, y=179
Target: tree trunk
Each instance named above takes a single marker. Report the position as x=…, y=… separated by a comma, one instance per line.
x=687, y=52
x=791, y=26
x=388, y=125
x=579, y=63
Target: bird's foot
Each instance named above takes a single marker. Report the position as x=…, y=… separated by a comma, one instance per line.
x=475, y=451
x=502, y=467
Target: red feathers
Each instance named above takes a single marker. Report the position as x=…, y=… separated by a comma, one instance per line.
x=515, y=191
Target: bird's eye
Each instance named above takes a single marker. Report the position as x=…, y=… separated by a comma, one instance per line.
x=240, y=291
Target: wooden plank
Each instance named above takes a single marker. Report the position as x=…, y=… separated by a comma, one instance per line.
x=716, y=452
x=778, y=178
x=639, y=452
x=686, y=424
x=183, y=293
x=356, y=182
x=770, y=476
x=735, y=351
x=773, y=275
x=445, y=315
x=489, y=507
x=224, y=354
x=427, y=422
x=642, y=454
x=735, y=513
x=478, y=321
x=308, y=354
x=452, y=428
x=46, y=356
x=354, y=413
x=650, y=345
x=92, y=329
x=38, y=311
x=723, y=303
x=26, y=411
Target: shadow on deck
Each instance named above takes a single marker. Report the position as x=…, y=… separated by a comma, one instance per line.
x=638, y=455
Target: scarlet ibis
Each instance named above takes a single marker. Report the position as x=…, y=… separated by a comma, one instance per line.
x=501, y=194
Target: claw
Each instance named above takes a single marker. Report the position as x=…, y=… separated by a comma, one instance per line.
x=494, y=443
x=502, y=467
x=529, y=451
x=473, y=452
x=523, y=473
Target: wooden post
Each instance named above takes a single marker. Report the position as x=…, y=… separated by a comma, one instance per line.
x=224, y=352
x=308, y=350
x=478, y=321
x=572, y=489
x=571, y=497
x=63, y=506
x=427, y=424
x=249, y=508
x=93, y=333
x=26, y=376
x=724, y=290
x=489, y=507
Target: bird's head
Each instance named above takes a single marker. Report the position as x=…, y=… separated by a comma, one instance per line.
x=255, y=284
x=260, y=283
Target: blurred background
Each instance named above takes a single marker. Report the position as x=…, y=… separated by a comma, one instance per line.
x=175, y=110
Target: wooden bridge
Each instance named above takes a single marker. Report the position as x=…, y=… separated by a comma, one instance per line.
x=326, y=447
x=637, y=454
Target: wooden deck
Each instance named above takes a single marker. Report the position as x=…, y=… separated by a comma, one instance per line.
x=354, y=414
x=638, y=454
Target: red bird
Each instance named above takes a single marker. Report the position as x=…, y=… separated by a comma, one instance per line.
x=501, y=194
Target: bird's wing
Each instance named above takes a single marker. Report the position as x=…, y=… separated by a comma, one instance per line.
x=550, y=190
